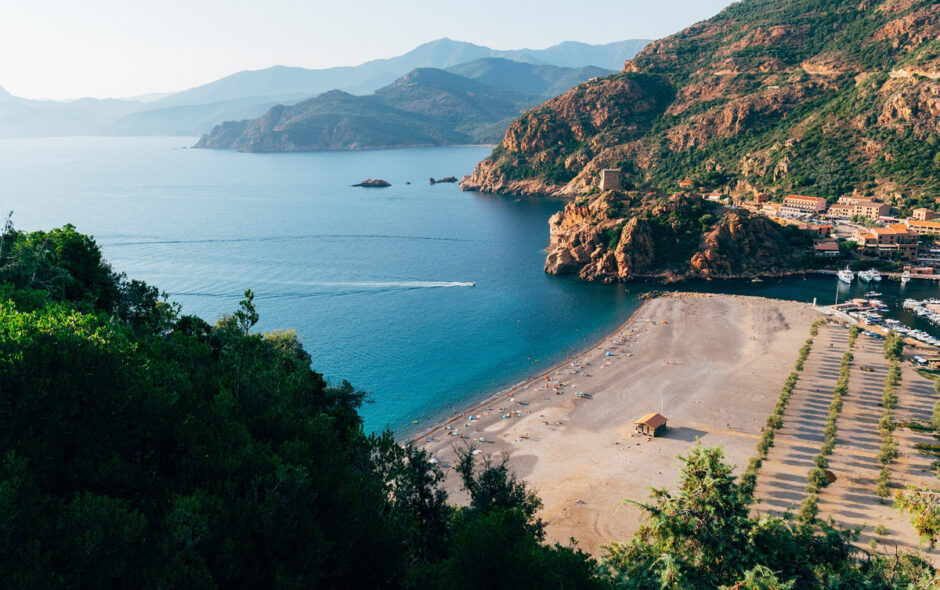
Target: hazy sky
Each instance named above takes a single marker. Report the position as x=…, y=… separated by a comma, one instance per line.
x=68, y=49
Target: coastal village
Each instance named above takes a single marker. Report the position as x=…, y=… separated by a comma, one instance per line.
x=595, y=432
x=859, y=225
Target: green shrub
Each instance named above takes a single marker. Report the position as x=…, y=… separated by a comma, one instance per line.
x=809, y=509
x=883, y=484
x=817, y=478
x=774, y=421
x=853, y=334
x=886, y=424
x=821, y=461
x=889, y=450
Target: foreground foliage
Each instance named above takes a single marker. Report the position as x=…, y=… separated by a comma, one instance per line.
x=144, y=448
x=704, y=536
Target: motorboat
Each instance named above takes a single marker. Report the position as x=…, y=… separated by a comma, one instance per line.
x=905, y=277
x=866, y=275
x=846, y=276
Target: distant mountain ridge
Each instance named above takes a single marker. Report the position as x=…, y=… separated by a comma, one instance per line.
x=372, y=75
x=427, y=106
x=250, y=94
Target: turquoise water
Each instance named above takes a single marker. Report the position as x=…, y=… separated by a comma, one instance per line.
x=375, y=281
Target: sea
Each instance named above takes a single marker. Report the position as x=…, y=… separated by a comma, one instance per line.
x=425, y=296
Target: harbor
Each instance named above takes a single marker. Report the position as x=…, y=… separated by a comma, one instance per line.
x=873, y=313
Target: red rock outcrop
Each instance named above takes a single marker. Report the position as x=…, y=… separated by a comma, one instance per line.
x=617, y=236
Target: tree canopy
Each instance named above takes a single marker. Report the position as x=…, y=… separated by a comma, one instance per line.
x=140, y=447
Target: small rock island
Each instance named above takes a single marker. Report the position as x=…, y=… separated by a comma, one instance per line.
x=373, y=183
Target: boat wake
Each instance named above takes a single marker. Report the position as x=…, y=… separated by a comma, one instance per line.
x=383, y=284
x=333, y=289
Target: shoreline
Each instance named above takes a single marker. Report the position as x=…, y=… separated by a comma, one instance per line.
x=423, y=434
x=711, y=363
x=420, y=436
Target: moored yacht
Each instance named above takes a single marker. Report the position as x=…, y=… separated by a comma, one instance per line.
x=905, y=277
x=846, y=276
x=869, y=275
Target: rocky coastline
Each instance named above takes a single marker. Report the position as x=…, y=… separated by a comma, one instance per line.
x=620, y=236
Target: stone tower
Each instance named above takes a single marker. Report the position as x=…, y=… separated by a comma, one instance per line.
x=610, y=179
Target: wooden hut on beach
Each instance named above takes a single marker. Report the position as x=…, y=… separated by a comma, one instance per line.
x=651, y=425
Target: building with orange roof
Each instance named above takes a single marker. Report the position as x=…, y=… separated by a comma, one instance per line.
x=930, y=228
x=851, y=206
x=826, y=249
x=892, y=241
x=798, y=205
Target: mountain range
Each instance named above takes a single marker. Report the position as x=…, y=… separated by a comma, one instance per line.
x=820, y=96
x=250, y=94
x=467, y=103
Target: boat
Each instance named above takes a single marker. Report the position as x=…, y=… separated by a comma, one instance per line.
x=867, y=275
x=872, y=294
x=846, y=276
x=874, y=274
x=757, y=280
x=905, y=277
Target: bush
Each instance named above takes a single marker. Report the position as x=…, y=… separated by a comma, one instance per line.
x=883, y=483
x=853, y=335
x=889, y=450
x=889, y=399
x=821, y=461
x=774, y=421
x=886, y=424
x=817, y=478
x=893, y=346
x=809, y=509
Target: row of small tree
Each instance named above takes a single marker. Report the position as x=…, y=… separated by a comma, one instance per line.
x=775, y=420
x=889, y=447
x=817, y=478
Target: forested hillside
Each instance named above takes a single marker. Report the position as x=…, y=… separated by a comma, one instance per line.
x=823, y=97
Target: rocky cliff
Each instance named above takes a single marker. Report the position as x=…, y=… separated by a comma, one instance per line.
x=616, y=236
x=821, y=96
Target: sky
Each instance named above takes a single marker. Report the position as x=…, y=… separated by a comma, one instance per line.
x=117, y=48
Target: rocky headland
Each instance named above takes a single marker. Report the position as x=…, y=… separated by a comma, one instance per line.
x=618, y=236
x=814, y=97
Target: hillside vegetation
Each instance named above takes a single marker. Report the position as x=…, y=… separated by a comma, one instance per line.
x=144, y=448
x=825, y=97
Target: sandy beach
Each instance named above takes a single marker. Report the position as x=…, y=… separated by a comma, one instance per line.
x=714, y=366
